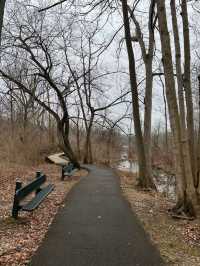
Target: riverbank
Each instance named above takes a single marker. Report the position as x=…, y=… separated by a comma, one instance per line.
x=177, y=240
x=163, y=180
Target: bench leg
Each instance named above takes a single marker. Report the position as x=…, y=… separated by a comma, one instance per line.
x=38, y=174
x=15, y=208
x=63, y=173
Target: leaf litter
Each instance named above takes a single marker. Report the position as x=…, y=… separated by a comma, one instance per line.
x=19, y=239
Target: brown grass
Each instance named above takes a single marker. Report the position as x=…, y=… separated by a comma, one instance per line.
x=177, y=240
x=24, y=148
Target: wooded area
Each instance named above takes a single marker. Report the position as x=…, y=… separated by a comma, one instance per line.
x=108, y=83
x=65, y=70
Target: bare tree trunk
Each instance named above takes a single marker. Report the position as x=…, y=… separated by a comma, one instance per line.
x=188, y=90
x=63, y=138
x=50, y=126
x=130, y=148
x=11, y=113
x=148, y=92
x=145, y=180
x=184, y=131
x=185, y=188
x=165, y=112
x=2, y=7
x=148, y=61
x=178, y=65
x=78, y=135
x=88, y=147
x=198, y=153
x=147, y=114
x=179, y=78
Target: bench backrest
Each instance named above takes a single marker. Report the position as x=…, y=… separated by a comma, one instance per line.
x=34, y=185
x=69, y=167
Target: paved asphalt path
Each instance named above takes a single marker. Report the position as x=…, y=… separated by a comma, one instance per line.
x=96, y=228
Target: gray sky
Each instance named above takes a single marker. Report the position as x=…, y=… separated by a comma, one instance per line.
x=109, y=60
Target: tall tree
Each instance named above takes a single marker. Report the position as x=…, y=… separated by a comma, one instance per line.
x=185, y=188
x=179, y=76
x=38, y=61
x=188, y=89
x=147, y=56
x=145, y=179
x=198, y=138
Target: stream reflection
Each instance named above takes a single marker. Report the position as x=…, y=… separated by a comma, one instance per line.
x=165, y=183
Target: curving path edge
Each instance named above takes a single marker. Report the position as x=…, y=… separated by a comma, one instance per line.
x=96, y=228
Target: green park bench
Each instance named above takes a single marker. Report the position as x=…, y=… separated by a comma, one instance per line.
x=22, y=192
x=68, y=170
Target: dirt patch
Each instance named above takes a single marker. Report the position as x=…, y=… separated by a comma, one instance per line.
x=19, y=239
x=177, y=240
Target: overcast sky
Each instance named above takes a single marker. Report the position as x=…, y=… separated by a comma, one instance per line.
x=110, y=61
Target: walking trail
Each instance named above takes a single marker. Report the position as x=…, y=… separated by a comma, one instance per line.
x=96, y=228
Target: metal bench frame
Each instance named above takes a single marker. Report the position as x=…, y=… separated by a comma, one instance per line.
x=68, y=170
x=23, y=192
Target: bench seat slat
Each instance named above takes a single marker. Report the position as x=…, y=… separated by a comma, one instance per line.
x=35, y=202
x=68, y=168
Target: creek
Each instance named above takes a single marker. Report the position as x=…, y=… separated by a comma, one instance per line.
x=165, y=182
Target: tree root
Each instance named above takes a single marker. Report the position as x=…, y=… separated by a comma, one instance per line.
x=183, y=210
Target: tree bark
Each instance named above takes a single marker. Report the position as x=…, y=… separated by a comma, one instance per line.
x=78, y=135
x=178, y=64
x=198, y=152
x=144, y=180
x=88, y=158
x=165, y=112
x=184, y=132
x=188, y=90
x=2, y=8
x=148, y=61
x=148, y=114
x=179, y=78
x=185, y=188
x=63, y=137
